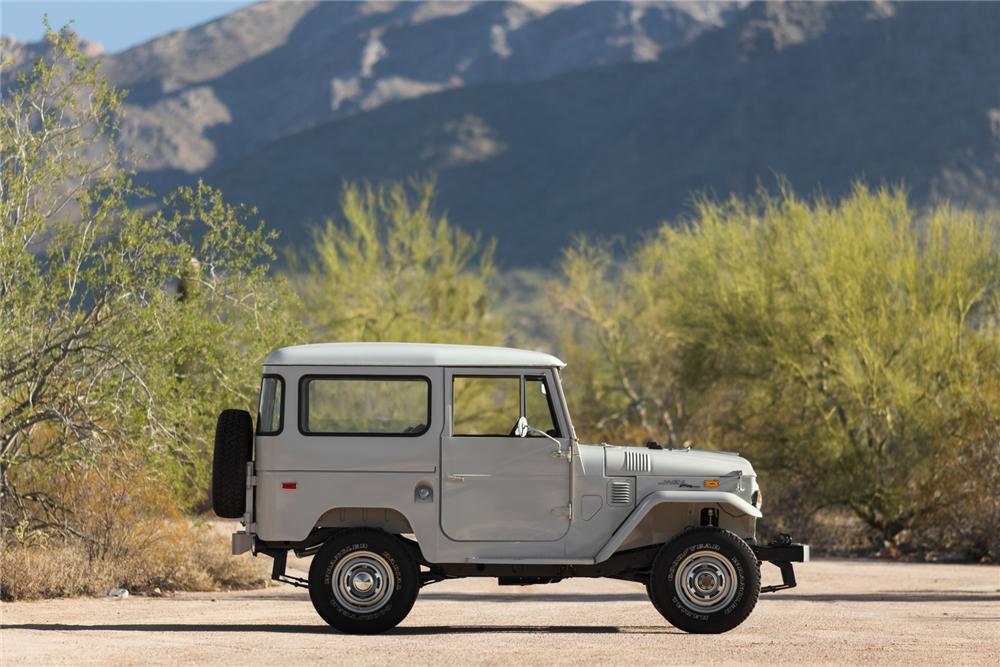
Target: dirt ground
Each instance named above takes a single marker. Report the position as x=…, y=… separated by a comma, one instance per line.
x=842, y=612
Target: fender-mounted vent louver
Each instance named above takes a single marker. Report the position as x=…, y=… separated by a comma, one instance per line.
x=636, y=462
x=620, y=493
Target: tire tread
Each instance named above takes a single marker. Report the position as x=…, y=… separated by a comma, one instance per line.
x=714, y=625
x=233, y=449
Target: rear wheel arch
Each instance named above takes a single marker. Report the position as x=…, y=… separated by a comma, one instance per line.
x=385, y=519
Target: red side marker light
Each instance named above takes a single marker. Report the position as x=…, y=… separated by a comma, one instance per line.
x=289, y=485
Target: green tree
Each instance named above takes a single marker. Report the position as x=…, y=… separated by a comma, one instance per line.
x=122, y=330
x=392, y=270
x=850, y=348
x=624, y=370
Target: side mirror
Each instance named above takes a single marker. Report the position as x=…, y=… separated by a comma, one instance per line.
x=521, y=428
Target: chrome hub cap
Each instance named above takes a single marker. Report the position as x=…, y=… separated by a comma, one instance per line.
x=363, y=582
x=706, y=582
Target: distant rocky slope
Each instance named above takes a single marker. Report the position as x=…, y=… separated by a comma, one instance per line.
x=205, y=96
x=542, y=121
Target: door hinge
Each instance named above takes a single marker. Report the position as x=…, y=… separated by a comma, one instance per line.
x=565, y=510
x=247, y=521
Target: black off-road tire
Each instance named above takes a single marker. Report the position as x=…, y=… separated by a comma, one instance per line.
x=363, y=548
x=720, y=548
x=233, y=449
x=649, y=592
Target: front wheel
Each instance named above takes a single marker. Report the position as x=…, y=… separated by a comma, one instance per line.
x=705, y=581
x=363, y=581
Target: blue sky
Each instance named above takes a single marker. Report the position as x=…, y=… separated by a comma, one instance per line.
x=116, y=25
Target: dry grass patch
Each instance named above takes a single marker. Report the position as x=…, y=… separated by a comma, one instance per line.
x=181, y=557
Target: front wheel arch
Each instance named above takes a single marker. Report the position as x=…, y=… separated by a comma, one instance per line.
x=736, y=512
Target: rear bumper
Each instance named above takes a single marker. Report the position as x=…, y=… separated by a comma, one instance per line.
x=782, y=552
x=242, y=542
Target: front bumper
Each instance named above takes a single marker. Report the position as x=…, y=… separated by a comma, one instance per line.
x=782, y=552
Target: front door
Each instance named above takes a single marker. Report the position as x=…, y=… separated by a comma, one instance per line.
x=496, y=485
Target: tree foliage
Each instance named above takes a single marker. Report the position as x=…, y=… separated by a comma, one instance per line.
x=122, y=330
x=393, y=270
x=850, y=348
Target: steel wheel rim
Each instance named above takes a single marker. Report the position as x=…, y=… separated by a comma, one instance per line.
x=706, y=582
x=362, y=582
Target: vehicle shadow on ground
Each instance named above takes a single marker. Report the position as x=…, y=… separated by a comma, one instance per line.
x=322, y=629
x=536, y=629
x=888, y=596
x=533, y=597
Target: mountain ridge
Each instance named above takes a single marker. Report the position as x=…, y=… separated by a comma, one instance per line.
x=544, y=121
x=546, y=170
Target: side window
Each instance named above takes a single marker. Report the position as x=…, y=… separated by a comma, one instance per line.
x=271, y=406
x=359, y=405
x=538, y=408
x=486, y=405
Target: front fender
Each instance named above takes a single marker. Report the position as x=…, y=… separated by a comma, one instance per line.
x=726, y=498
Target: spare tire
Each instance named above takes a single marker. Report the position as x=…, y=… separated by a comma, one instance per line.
x=233, y=449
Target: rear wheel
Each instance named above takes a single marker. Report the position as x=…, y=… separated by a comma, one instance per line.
x=705, y=580
x=363, y=581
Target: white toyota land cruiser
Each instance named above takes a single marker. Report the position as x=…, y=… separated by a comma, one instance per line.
x=400, y=465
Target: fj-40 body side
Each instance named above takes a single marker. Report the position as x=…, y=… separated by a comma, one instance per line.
x=463, y=461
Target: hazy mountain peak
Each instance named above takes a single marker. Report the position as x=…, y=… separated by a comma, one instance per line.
x=206, y=95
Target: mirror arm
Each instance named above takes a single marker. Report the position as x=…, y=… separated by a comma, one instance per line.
x=559, y=450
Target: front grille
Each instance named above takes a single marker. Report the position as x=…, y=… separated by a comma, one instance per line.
x=620, y=492
x=636, y=462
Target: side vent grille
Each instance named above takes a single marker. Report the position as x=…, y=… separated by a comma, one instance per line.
x=636, y=462
x=620, y=493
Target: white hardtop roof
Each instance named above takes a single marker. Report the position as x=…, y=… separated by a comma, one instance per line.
x=407, y=354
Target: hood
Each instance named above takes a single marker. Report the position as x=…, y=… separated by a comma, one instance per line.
x=673, y=462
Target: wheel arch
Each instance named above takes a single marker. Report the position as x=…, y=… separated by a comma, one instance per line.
x=389, y=519
x=663, y=514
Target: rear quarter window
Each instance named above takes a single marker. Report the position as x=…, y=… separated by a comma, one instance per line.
x=271, y=407
x=365, y=405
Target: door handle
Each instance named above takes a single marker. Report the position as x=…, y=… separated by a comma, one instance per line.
x=461, y=478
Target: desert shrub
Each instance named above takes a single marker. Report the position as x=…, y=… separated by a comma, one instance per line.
x=117, y=524
x=123, y=328
x=850, y=348
x=182, y=557
x=624, y=371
